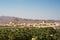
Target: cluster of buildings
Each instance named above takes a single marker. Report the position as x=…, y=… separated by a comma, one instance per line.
x=39, y=24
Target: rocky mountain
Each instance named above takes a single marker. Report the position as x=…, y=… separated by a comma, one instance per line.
x=7, y=19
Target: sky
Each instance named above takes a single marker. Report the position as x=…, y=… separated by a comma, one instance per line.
x=31, y=9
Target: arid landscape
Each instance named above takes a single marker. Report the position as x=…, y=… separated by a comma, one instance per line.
x=29, y=19
x=15, y=21
x=14, y=28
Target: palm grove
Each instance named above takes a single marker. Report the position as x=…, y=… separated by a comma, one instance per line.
x=29, y=33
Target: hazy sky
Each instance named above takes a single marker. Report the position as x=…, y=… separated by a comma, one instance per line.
x=31, y=9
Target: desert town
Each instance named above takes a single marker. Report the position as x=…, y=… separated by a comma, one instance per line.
x=41, y=24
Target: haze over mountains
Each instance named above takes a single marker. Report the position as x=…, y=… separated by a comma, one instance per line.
x=7, y=19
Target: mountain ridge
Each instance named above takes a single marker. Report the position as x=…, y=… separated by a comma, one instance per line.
x=7, y=19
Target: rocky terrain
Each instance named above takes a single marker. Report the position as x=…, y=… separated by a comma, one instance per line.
x=7, y=19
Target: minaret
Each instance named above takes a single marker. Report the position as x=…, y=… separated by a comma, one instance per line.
x=43, y=22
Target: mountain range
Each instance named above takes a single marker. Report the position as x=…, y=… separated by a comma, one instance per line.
x=7, y=19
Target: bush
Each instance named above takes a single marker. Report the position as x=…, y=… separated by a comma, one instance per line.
x=29, y=33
